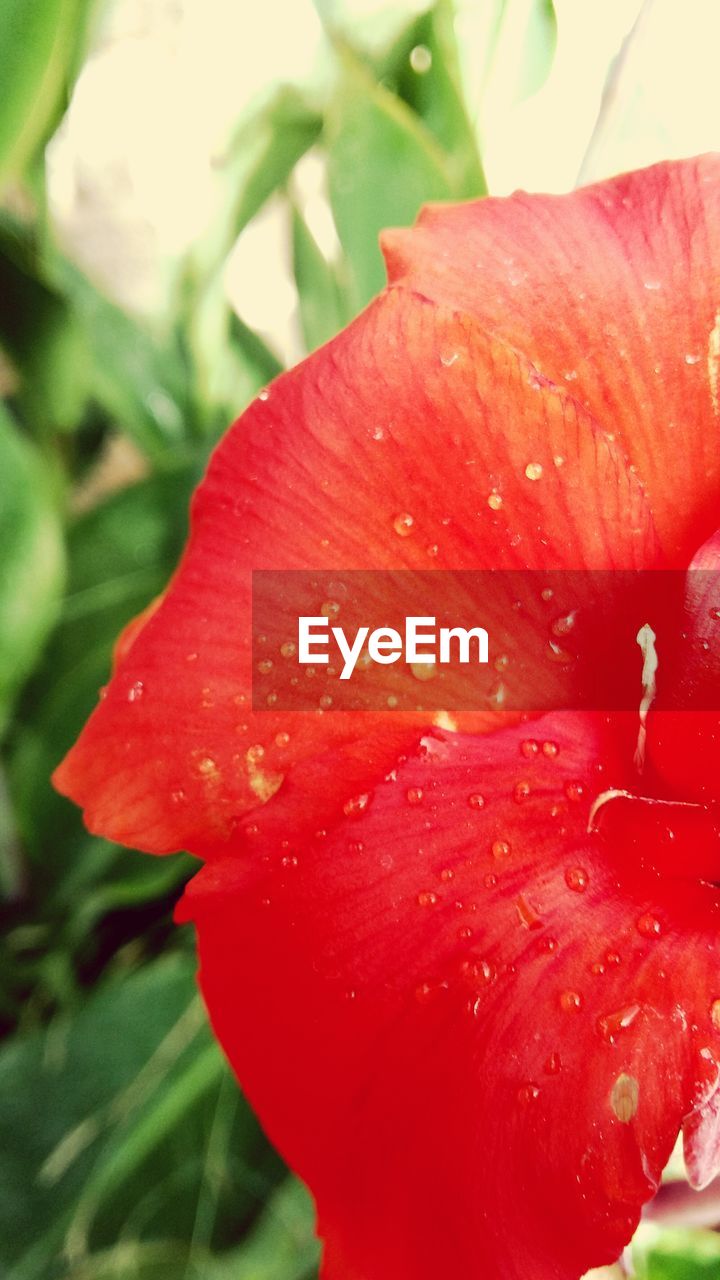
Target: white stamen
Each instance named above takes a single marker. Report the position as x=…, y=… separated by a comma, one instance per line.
x=646, y=639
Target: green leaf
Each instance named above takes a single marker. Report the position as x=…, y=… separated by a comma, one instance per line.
x=40, y=43
x=282, y=1246
x=383, y=164
x=676, y=1254
x=141, y=383
x=42, y=336
x=32, y=563
x=423, y=68
x=120, y=556
x=110, y=1121
x=322, y=303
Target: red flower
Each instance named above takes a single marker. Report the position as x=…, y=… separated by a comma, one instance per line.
x=471, y=1008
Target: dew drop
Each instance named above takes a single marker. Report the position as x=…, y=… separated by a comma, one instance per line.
x=136, y=691
x=207, y=767
x=552, y=1064
x=254, y=753
x=432, y=550
x=611, y=1024
x=282, y=739
x=502, y=662
x=464, y=933
x=529, y=748
x=570, y=1001
x=714, y=613
x=692, y=358
x=414, y=795
x=548, y=944
x=576, y=878
x=500, y=849
x=574, y=790
x=264, y=667
x=649, y=926
x=497, y=695
x=490, y=881
x=378, y=433
x=421, y=59
x=547, y=594
x=494, y=501
x=288, y=649
x=325, y=702
x=550, y=749
x=356, y=805
x=446, y=874
x=533, y=470
x=330, y=609
x=715, y=1014
x=613, y=958
x=476, y=801
x=528, y=1093
x=448, y=360
x=521, y=792
x=423, y=671
x=427, y=898
x=403, y=524
x=562, y=626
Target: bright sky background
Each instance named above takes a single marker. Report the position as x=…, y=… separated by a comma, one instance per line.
x=132, y=177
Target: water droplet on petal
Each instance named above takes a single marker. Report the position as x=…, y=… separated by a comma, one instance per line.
x=570, y=1001
x=423, y=671
x=574, y=790
x=427, y=898
x=403, y=524
x=649, y=926
x=714, y=613
x=330, y=609
x=534, y=470
x=494, y=501
x=476, y=801
x=521, y=792
x=136, y=691
x=611, y=1024
x=356, y=805
x=562, y=626
x=264, y=667
x=553, y=1064
x=692, y=358
x=550, y=749
x=576, y=878
x=529, y=748
x=500, y=848
x=414, y=795
x=528, y=1093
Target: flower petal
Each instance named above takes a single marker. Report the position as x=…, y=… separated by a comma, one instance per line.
x=413, y=411
x=474, y=1029
x=613, y=291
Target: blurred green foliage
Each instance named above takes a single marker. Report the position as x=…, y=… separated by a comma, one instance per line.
x=126, y=1149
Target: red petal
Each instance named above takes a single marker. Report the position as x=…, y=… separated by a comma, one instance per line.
x=613, y=292
x=414, y=409
x=473, y=1028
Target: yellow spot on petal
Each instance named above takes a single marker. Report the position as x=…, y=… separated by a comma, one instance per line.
x=625, y=1097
